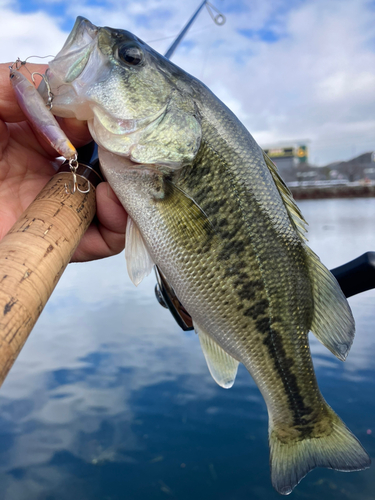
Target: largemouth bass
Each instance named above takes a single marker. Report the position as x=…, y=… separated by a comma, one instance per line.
x=208, y=207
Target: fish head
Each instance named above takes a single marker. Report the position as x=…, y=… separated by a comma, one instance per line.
x=137, y=103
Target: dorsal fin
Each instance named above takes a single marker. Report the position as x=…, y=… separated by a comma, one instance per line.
x=294, y=212
x=222, y=366
x=332, y=323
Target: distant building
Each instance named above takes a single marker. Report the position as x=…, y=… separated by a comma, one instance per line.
x=289, y=158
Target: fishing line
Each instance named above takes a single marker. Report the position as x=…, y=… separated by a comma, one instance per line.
x=205, y=57
x=174, y=36
x=38, y=57
x=19, y=63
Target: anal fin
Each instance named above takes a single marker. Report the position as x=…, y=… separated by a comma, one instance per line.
x=222, y=366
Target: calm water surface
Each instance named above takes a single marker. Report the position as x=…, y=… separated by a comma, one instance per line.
x=110, y=400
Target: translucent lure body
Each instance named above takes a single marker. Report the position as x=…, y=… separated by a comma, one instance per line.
x=39, y=115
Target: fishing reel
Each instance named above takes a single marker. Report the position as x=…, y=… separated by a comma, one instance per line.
x=167, y=298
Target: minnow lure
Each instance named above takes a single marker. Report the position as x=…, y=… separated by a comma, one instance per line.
x=34, y=107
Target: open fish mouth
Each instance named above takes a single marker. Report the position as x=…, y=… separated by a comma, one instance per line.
x=77, y=49
x=66, y=77
x=83, y=32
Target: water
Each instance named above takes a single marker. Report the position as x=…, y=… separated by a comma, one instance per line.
x=109, y=400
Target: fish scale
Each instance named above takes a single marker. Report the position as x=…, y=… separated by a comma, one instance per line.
x=213, y=214
x=258, y=300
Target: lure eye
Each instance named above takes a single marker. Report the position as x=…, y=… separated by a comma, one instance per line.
x=130, y=54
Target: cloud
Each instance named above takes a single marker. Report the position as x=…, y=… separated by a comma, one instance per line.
x=315, y=82
x=88, y=364
x=23, y=35
x=290, y=70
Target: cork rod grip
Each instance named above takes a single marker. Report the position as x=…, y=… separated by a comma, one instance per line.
x=33, y=256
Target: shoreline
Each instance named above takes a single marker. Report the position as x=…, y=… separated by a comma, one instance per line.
x=338, y=191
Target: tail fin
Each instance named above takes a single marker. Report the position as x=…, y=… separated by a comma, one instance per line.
x=291, y=460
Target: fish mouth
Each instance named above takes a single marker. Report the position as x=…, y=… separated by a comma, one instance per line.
x=122, y=127
x=83, y=32
x=66, y=76
x=73, y=57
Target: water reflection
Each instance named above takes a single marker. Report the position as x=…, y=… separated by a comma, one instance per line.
x=110, y=400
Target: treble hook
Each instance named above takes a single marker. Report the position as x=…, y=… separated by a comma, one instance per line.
x=49, y=91
x=72, y=188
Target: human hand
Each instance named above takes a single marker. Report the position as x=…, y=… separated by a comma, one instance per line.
x=27, y=162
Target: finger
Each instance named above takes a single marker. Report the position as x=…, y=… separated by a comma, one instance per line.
x=93, y=246
x=110, y=212
x=108, y=237
x=76, y=130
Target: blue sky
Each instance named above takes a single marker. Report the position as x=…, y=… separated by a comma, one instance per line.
x=290, y=69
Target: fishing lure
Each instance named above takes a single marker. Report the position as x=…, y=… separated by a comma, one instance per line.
x=40, y=116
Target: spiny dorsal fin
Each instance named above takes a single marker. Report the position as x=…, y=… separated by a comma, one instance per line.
x=222, y=366
x=138, y=260
x=333, y=322
x=294, y=212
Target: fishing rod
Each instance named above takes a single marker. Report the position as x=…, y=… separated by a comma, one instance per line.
x=219, y=19
x=38, y=248
x=356, y=276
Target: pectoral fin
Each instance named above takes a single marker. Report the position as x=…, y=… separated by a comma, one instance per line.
x=138, y=260
x=184, y=216
x=222, y=366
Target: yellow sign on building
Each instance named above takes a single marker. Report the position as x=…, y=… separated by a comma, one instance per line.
x=299, y=152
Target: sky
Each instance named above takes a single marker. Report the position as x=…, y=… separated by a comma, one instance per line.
x=291, y=70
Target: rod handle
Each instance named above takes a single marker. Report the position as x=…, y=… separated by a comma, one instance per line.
x=34, y=255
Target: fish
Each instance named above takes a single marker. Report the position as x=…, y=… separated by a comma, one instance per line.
x=209, y=209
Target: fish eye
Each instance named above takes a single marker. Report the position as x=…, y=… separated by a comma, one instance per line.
x=130, y=54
